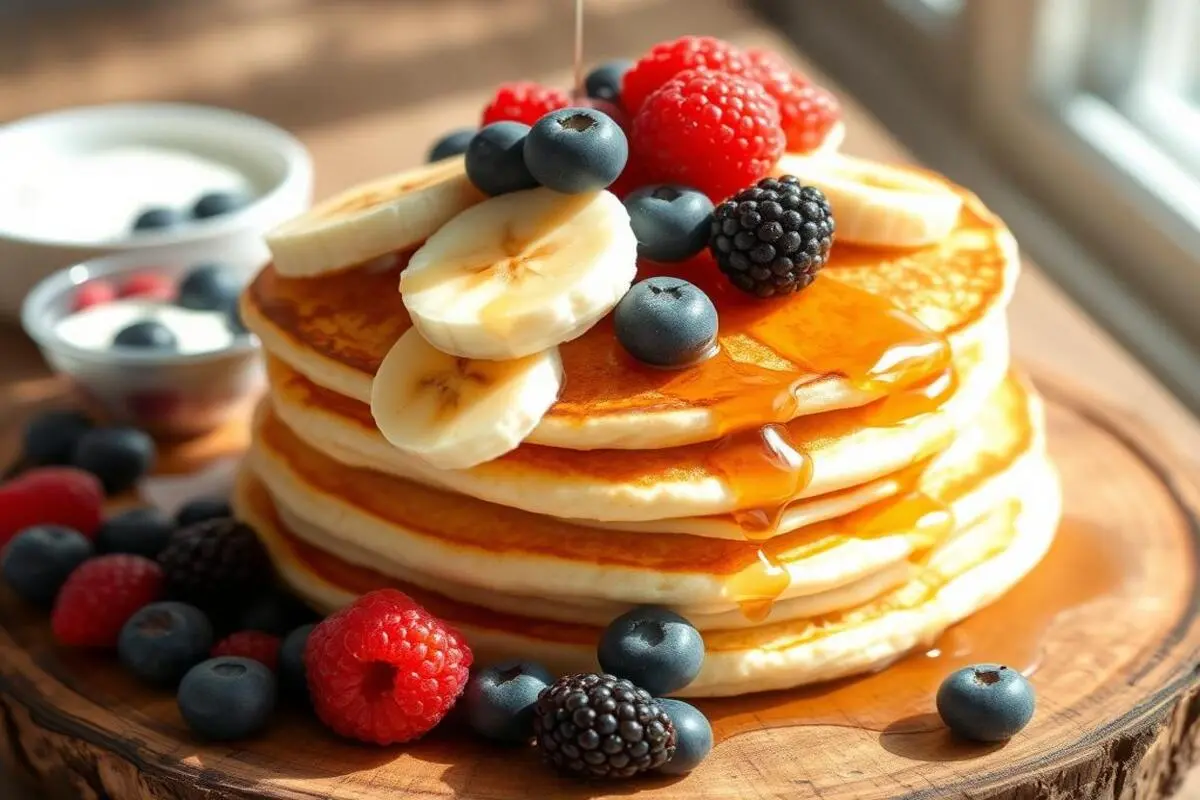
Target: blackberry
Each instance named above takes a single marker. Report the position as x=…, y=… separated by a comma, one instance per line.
x=216, y=565
x=600, y=726
x=772, y=238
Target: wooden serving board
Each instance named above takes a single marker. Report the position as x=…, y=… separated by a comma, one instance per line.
x=1110, y=619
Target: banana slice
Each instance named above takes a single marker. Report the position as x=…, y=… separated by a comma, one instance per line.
x=370, y=220
x=455, y=412
x=520, y=273
x=876, y=204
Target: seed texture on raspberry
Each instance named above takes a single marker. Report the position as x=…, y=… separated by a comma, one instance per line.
x=101, y=595
x=772, y=238
x=254, y=645
x=711, y=131
x=807, y=111
x=383, y=670
x=523, y=101
x=667, y=59
x=600, y=726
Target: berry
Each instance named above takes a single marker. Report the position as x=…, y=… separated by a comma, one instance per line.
x=655, y=648
x=501, y=699
x=773, y=238
x=202, y=509
x=273, y=612
x=575, y=150
x=807, y=112
x=101, y=595
x=671, y=223
x=254, y=645
x=384, y=670
x=600, y=726
x=986, y=702
x=141, y=531
x=162, y=641
x=523, y=101
x=154, y=219
x=214, y=565
x=693, y=737
x=495, y=159
x=51, y=496
x=93, y=293
x=667, y=59
x=293, y=678
x=227, y=698
x=119, y=457
x=147, y=335
x=215, y=204
x=604, y=82
x=49, y=438
x=666, y=322
x=38, y=560
x=209, y=287
x=453, y=143
x=149, y=286
x=712, y=131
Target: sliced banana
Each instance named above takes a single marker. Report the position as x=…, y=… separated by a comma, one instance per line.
x=876, y=204
x=520, y=273
x=457, y=412
x=370, y=220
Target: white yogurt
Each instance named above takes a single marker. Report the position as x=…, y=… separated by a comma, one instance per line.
x=95, y=195
x=95, y=328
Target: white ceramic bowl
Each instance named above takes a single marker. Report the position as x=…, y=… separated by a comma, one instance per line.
x=274, y=163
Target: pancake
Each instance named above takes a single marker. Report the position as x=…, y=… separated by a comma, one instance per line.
x=835, y=450
x=879, y=320
x=968, y=572
x=430, y=536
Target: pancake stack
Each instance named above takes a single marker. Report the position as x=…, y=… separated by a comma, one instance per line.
x=852, y=471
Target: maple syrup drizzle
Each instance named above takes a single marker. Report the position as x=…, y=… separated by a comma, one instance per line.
x=899, y=699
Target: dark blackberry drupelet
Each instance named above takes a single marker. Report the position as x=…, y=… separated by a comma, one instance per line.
x=600, y=726
x=217, y=565
x=773, y=238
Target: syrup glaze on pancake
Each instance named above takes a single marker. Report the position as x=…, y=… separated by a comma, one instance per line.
x=418, y=525
x=877, y=322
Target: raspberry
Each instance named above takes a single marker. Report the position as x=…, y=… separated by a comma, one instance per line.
x=807, y=111
x=668, y=59
x=384, y=670
x=254, y=645
x=51, y=496
x=525, y=102
x=708, y=130
x=101, y=595
x=149, y=286
x=93, y=293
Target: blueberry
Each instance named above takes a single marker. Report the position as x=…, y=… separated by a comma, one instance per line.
x=50, y=438
x=292, y=675
x=672, y=223
x=202, y=509
x=576, y=150
x=500, y=700
x=209, y=287
x=453, y=143
x=273, y=612
x=38, y=560
x=142, y=531
x=227, y=698
x=986, y=702
x=666, y=322
x=604, y=82
x=214, y=204
x=162, y=641
x=152, y=219
x=148, y=334
x=655, y=648
x=496, y=159
x=693, y=737
x=119, y=457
